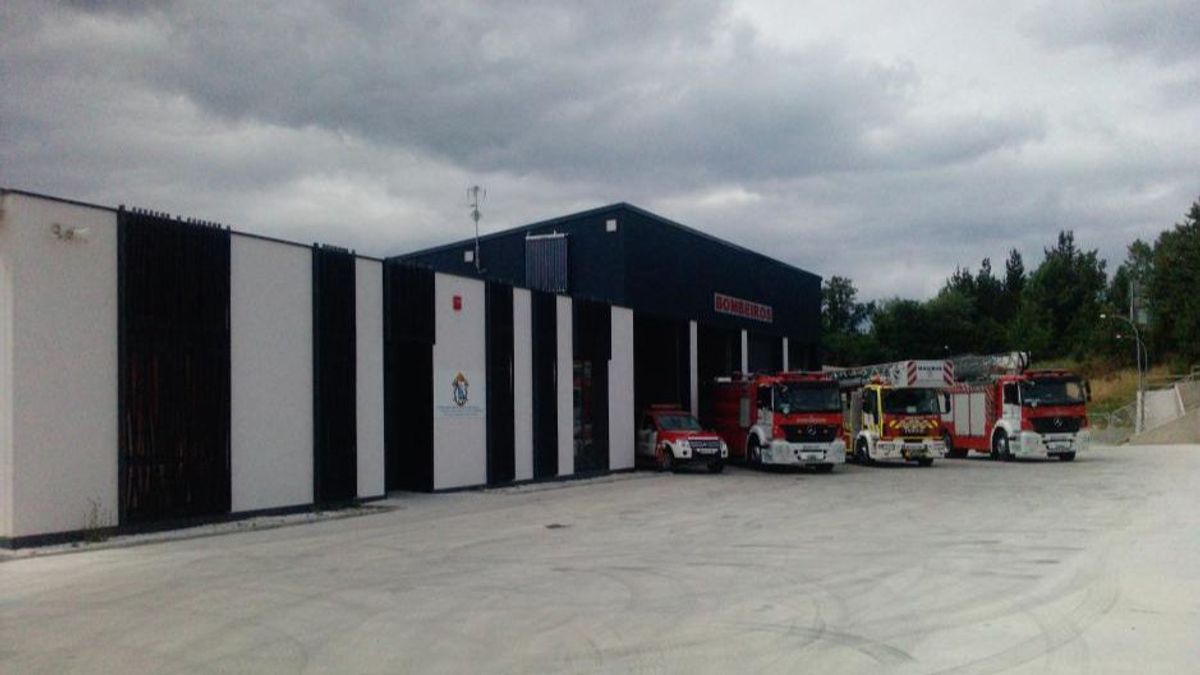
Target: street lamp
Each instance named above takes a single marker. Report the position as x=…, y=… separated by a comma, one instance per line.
x=1139, y=351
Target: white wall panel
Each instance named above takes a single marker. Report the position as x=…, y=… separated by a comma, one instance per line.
x=566, y=389
x=369, y=332
x=620, y=391
x=271, y=379
x=60, y=348
x=459, y=431
x=523, y=383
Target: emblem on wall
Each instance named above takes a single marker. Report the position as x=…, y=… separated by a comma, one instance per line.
x=460, y=386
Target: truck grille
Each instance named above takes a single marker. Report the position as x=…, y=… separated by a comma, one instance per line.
x=1056, y=425
x=705, y=444
x=810, y=433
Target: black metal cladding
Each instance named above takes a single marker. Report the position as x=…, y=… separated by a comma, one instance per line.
x=409, y=331
x=174, y=368
x=592, y=342
x=544, y=319
x=501, y=443
x=546, y=263
x=335, y=447
x=658, y=267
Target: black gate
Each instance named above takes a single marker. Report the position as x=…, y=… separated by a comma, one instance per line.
x=173, y=381
x=501, y=449
x=409, y=330
x=544, y=318
x=335, y=428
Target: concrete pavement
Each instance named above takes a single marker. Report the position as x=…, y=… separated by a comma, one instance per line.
x=969, y=566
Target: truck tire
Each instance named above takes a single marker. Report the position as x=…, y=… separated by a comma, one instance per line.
x=999, y=445
x=1067, y=457
x=950, y=449
x=665, y=459
x=753, y=452
x=925, y=461
x=860, y=453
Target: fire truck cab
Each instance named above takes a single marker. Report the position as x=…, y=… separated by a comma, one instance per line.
x=782, y=419
x=1009, y=412
x=893, y=411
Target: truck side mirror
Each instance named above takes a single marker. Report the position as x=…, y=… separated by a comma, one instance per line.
x=945, y=403
x=1087, y=391
x=744, y=412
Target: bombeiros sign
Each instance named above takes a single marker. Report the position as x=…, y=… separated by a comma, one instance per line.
x=746, y=309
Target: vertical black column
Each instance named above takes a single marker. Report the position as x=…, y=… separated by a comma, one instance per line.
x=592, y=344
x=409, y=332
x=501, y=436
x=544, y=317
x=335, y=428
x=173, y=368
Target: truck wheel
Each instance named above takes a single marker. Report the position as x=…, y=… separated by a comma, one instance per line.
x=999, y=443
x=716, y=467
x=1067, y=457
x=925, y=461
x=950, y=449
x=664, y=458
x=753, y=452
x=860, y=453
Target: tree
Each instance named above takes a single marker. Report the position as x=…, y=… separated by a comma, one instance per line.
x=841, y=312
x=843, y=319
x=1175, y=286
x=1014, y=286
x=1066, y=292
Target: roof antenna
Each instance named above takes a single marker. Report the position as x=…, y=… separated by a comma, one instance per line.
x=476, y=194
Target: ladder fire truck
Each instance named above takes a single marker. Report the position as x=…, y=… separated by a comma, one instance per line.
x=893, y=411
x=1000, y=407
x=788, y=419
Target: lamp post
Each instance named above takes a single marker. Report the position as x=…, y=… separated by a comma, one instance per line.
x=1139, y=351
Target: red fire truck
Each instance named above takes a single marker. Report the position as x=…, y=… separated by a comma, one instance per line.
x=1001, y=408
x=893, y=410
x=788, y=419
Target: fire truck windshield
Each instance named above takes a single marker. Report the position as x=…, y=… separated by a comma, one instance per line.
x=911, y=401
x=793, y=397
x=678, y=422
x=1052, y=391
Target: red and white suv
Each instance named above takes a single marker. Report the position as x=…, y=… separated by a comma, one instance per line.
x=670, y=437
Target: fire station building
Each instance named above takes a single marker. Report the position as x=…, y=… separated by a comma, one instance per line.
x=160, y=371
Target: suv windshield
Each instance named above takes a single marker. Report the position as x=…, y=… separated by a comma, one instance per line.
x=911, y=402
x=791, y=397
x=1056, y=391
x=678, y=422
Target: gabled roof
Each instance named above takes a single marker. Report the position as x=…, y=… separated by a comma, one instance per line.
x=569, y=218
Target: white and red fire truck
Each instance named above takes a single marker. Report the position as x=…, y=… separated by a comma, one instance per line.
x=788, y=419
x=1001, y=408
x=670, y=438
x=894, y=410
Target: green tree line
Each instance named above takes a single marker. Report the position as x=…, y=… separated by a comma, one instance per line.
x=1052, y=310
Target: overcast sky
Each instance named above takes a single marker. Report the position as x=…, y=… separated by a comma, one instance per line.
x=888, y=141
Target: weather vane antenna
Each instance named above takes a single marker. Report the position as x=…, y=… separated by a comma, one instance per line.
x=476, y=194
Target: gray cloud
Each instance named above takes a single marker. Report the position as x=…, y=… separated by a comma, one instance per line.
x=361, y=124
x=1162, y=29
